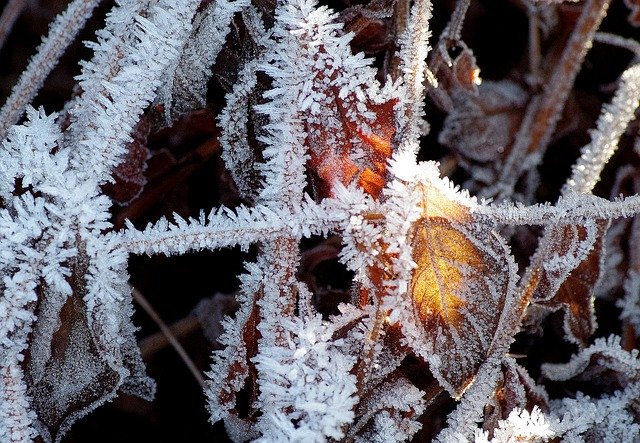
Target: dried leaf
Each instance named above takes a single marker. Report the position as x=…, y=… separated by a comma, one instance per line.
x=516, y=389
x=333, y=146
x=481, y=127
x=89, y=378
x=371, y=27
x=572, y=264
x=350, y=121
x=464, y=278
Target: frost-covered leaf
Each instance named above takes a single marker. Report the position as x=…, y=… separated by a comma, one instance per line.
x=347, y=116
x=231, y=369
x=76, y=378
x=481, y=127
x=571, y=268
x=129, y=174
x=463, y=280
x=516, y=391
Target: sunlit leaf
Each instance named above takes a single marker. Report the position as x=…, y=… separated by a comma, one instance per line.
x=463, y=281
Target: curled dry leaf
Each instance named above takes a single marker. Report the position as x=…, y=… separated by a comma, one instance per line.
x=481, y=128
x=463, y=279
x=571, y=266
x=516, y=389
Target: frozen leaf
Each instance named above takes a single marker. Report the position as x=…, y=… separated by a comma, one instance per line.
x=579, y=256
x=348, y=118
x=231, y=369
x=464, y=277
x=76, y=378
x=516, y=390
x=481, y=127
x=370, y=25
x=355, y=143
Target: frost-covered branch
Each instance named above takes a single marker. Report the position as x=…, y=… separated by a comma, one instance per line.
x=62, y=32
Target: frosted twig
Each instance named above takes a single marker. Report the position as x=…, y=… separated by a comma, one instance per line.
x=451, y=33
x=616, y=40
x=570, y=209
x=545, y=110
x=413, y=63
x=10, y=14
x=61, y=33
x=105, y=114
x=610, y=126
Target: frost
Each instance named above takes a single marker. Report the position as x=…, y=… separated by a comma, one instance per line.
x=520, y=426
x=306, y=383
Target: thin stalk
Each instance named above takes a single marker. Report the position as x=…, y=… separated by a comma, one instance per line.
x=544, y=111
x=62, y=33
x=146, y=306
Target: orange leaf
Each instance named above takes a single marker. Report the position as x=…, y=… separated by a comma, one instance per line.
x=349, y=135
x=463, y=280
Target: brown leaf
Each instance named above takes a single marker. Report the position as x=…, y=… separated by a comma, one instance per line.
x=569, y=285
x=331, y=151
x=516, y=389
x=463, y=280
x=481, y=127
x=77, y=378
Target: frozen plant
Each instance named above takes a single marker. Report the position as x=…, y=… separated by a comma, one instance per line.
x=320, y=147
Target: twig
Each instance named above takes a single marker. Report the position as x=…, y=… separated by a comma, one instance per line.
x=10, y=14
x=621, y=42
x=535, y=58
x=144, y=304
x=61, y=33
x=545, y=110
x=158, y=341
x=451, y=33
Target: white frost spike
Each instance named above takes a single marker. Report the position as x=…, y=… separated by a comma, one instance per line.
x=306, y=383
x=521, y=426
